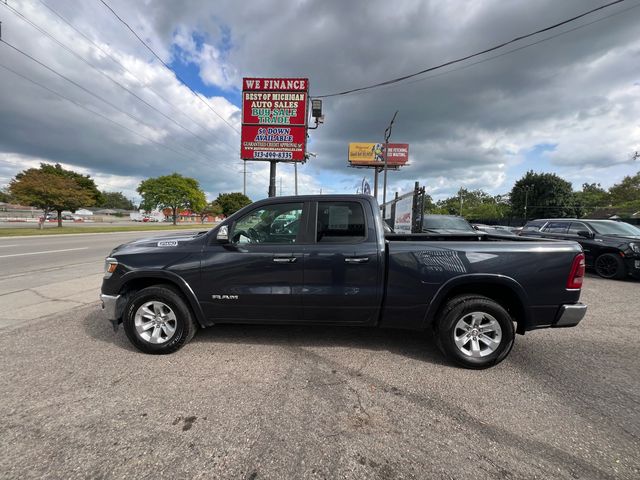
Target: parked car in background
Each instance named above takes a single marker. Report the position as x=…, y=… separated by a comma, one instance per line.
x=494, y=229
x=611, y=248
x=446, y=224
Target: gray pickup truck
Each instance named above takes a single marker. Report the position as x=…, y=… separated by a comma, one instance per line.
x=326, y=260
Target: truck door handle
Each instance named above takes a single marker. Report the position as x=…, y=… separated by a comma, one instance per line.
x=284, y=259
x=356, y=259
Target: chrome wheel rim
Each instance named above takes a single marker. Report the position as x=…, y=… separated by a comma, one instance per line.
x=155, y=322
x=477, y=334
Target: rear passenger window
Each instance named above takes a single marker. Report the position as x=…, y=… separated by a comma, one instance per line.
x=577, y=227
x=556, y=227
x=340, y=222
x=532, y=226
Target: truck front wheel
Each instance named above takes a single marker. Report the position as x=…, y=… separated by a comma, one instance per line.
x=157, y=320
x=474, y=331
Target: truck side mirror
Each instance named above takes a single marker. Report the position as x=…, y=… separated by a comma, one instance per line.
x=223, y=234
x=585, y=234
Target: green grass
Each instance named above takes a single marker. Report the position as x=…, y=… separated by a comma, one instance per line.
x=19, y=232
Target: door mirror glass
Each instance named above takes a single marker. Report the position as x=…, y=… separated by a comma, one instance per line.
x=585, y=234
x=223, y=234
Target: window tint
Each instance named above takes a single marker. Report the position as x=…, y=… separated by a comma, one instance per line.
x=577, y=227
x=556, y=227
x=271, y=224
x=340, y=222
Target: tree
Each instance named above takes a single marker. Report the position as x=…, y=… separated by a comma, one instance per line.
x=625, y=196
x=76, y=182
x=232, y=202
x=48, y=191
x=476, y=205
x=590, y=198
x=172, y=191
x=85, y=182
x=545, y=195
x=115, y=200
x=212, y=208
x=5, y=196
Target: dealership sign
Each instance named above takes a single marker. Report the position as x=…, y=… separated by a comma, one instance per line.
x=274, y=119
x=372, y=154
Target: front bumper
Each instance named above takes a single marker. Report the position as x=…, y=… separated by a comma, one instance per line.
x=570, y=315
x=110, y=306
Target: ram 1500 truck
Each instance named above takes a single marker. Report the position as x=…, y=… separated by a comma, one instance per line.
x=325, y=260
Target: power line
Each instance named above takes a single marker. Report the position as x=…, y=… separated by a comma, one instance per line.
x=169, y=68
x=84, y=107
x=124, y=68
x=458, y=60
x=107, y=76
x=95, y=95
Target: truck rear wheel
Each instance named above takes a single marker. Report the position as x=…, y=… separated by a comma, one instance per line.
x=157, y=320
x=474, y=331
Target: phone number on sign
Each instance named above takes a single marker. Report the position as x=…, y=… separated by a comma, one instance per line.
x=273, y=155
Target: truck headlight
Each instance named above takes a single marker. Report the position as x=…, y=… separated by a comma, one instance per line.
x=110, y=265
x=635, y=247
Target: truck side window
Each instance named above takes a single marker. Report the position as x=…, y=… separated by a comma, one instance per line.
x=277, y=223
x=340, y=222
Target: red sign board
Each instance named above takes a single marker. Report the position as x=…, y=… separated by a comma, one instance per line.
x=270, y=142
x=397, y=153
x=274, y=119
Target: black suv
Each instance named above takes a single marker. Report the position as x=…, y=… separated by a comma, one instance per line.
x=611, y=248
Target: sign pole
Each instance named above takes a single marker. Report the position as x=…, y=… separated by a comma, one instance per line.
x=375, y=183
x=295, y=173
x=272, y=179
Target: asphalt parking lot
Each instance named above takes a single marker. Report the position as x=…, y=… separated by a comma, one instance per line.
x=253, y=402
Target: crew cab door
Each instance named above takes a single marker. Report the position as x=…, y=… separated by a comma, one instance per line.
x=342, y=269
x=258, y=275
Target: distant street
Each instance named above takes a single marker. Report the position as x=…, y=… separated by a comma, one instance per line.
x=40, y=276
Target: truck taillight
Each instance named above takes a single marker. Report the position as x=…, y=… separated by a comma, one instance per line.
x=577, y=273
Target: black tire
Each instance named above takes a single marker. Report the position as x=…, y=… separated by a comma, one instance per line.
x=461, y=307
x=184, y=325
x=610, y=265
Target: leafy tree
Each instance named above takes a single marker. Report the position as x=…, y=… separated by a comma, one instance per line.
x=476, y=205
x=172, y=191
x=49, y=191
x=232, y=202
x=5, y=196
x=590, y=198
x=544, y=194
x=77, y=184
x=429, y=205
x=115, y=200
x=625, y=195
x=85, y=181
x=212, y=208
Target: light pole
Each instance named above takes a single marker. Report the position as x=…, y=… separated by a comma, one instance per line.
x=387, y=135
x=526, y=189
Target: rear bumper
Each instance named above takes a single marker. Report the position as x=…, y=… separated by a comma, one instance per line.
x=570, y=315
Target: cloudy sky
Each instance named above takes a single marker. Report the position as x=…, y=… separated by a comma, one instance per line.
x=568, y=104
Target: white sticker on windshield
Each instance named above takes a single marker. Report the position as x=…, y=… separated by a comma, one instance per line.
x=168, y=243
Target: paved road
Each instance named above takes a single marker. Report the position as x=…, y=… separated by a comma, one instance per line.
x=311, y=402
x=44, y=275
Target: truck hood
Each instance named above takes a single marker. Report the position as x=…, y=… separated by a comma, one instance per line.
x=160, y=242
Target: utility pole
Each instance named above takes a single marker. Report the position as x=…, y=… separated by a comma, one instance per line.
x=526, y=188
x=244, y=178
x=272, y=179
x=460, y=195
x=387, y=135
